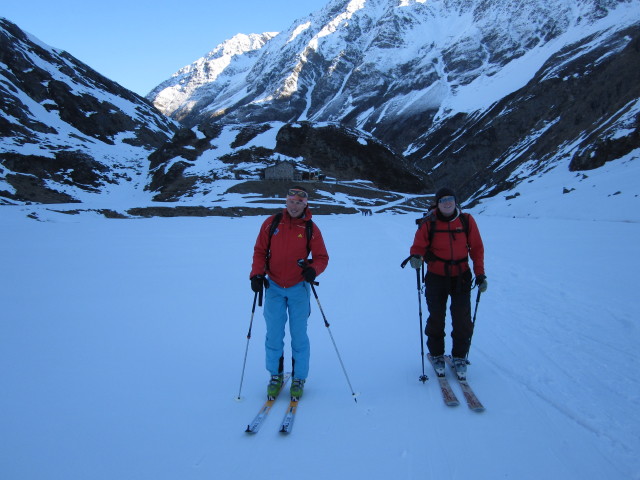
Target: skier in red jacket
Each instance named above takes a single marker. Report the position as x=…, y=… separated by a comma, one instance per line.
x=276, y=266
x=445, y=240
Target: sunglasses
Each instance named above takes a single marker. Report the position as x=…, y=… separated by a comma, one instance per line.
x=299, y=193
x=447, y=199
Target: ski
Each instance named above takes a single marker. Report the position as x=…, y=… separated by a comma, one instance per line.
x=469, y=395
x=448, y=396
x=259, y=419
x=287, y=422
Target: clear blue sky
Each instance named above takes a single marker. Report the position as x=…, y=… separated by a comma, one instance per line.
x=141, y=43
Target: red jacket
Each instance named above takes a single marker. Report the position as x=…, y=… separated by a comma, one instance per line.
x=288, y=245
x=450, y=245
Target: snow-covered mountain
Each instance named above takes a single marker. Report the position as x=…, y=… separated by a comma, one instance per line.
x=182, y=91
x=66, y=132
x=71, y=135
x=396, y=96
x=367, y=61
x=476, y=93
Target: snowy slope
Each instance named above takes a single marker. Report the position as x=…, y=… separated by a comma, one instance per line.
x=385, y=60
x=122, y=342
x=66, y=127
x=475, y=93
x=183, y=86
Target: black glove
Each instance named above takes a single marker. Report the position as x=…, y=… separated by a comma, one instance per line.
x=257, y=282
x=309, y=274
x=481, y=283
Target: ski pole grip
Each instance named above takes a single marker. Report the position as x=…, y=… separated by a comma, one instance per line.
x=303, y=263
x=253, y=308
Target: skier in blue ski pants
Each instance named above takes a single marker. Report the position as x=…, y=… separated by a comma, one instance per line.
x=295, y=300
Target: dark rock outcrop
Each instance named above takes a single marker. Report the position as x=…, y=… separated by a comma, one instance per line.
x=66, y=124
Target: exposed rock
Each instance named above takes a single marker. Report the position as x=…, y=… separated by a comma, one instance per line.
x=344, y=155
x=580, y=99
x=383, y=69
x=364, y=100
x=66, y=124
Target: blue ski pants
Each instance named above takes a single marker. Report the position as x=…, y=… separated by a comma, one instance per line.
x=294, y=303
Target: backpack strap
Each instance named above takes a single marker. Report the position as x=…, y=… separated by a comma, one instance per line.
x=272, y=229
x=430, y=256
x=277, y=218
x=309, y=232
x=464, y=219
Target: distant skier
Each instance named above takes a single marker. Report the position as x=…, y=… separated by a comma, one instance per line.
x=284, y=240
x=445, y=240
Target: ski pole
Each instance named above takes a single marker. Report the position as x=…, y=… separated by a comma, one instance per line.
x=473, y=322
x=326, y=324
x=423, y=378
x=246, y=350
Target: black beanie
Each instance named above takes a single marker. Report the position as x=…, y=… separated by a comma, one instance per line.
x=445, y=192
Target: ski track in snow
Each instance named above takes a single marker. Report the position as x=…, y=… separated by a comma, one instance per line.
x=122, y=344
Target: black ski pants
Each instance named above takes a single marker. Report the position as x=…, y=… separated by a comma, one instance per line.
x=438, y=289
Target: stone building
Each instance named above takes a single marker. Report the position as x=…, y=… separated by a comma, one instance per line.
x=280, y=171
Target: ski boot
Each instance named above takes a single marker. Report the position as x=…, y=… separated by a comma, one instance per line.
x=274, y=387
x=297, y=387
x=460, y=366
x=438, y=364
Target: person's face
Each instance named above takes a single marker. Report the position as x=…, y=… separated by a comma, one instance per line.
x=296, y=202
x=447, y=205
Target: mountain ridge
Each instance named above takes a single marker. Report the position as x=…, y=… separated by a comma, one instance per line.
x=426, y=90
x=66, y=131
x=406, y=95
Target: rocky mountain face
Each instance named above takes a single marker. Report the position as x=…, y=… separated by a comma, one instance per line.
x=192, y=161
x=65, y=130
x=182, y=93
x=404, y=95
x=477, y=94
x=581, y=108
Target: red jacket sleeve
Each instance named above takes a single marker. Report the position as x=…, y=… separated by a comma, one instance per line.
x=420, y=241
x=476, y=247
x=319, y=253
x=259, y=265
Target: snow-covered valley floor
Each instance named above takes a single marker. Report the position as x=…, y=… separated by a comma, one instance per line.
x=121, y=348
